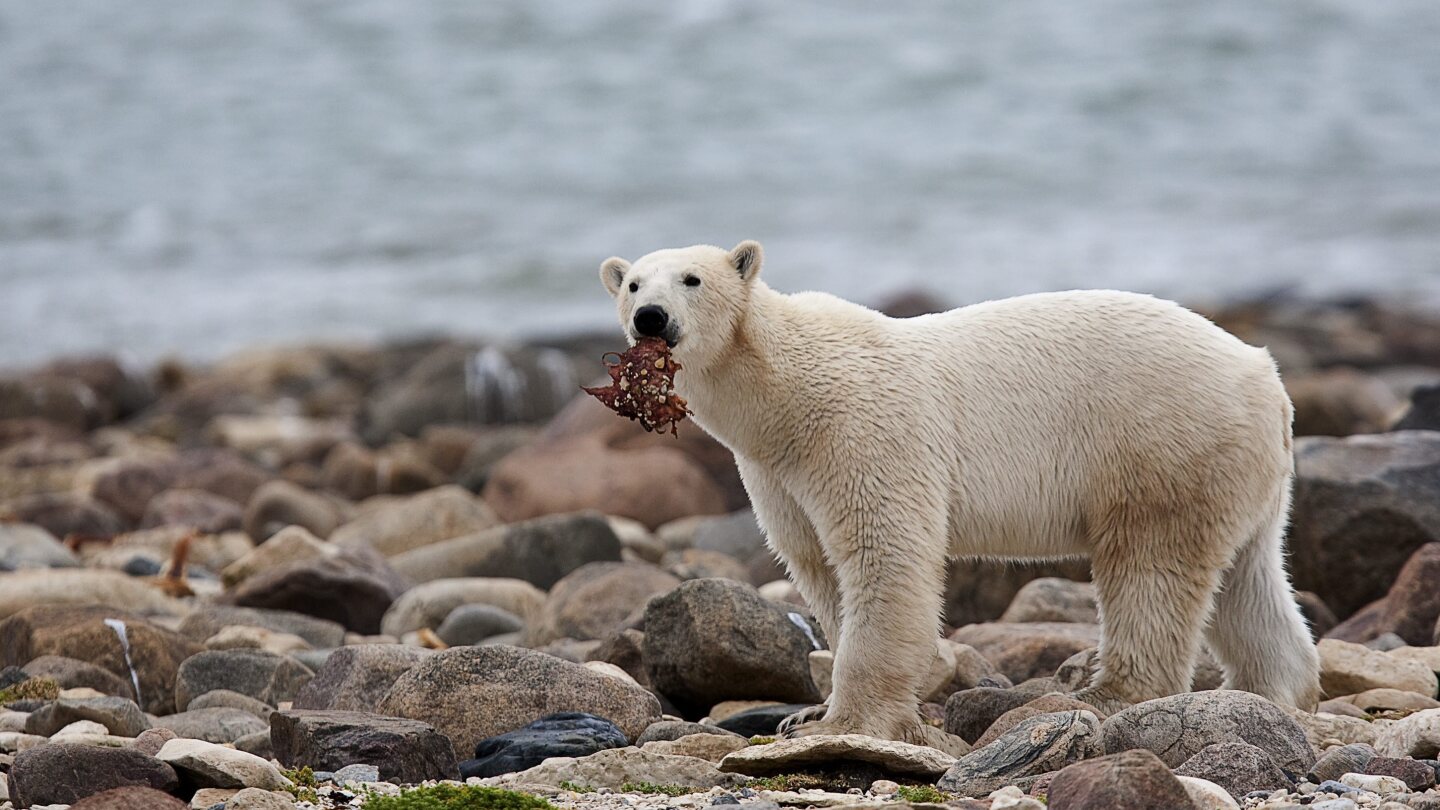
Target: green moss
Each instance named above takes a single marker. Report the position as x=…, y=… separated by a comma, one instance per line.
x=574, y=788
x=757, y=740
x=923, y=794
x=304, y=788
x=31, y=689
x=457, y=797
x=790, y=781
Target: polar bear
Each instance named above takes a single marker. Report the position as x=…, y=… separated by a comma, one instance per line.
x=1096, y=423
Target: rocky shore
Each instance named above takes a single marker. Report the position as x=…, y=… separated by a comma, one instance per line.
x=430, y=574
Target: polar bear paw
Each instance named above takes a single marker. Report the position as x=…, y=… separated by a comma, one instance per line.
x=805, y=716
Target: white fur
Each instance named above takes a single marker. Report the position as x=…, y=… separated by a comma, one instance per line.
x=1099, y=423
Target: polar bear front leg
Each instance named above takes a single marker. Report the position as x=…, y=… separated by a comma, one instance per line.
x=889, y=560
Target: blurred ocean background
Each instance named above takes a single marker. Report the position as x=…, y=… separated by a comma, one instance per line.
x=192, y=178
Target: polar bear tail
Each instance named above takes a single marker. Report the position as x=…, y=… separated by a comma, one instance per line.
x=1257, y=629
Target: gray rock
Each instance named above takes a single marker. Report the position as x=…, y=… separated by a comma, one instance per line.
x=427, y=604
x=258, y=744
x=471, y=624
x=540, y=551
x=596, y=599
x=65, y=773
x=470, y=693
x=353, y=588
x=616, y=767
x=265, y=676
x=668, y=730
x=120, y=716
x=1178, y=727
x=1044, y=743
x=1363, y=505
x=970, y=712
x=712, y=640
x=782, y=756
x=405, y=751
x=1236, y=766
x=357, y=773
x=23, y=545
x=211, y=619
x=217, y=725
x=1339, y=761
x=226, y=699
x=356, y=678
x=1052, y=599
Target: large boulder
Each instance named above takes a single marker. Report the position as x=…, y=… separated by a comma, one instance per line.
x=711, y=640
x=1238, y=767
x=119, y=716
x=1363, y=505
x=539, y=551
x=470, y=693
x=65, y=773
x=355, y=678
x=83, y=634
x=262, y=675
x=353, y=588
x=405, y=523
x=428, y=604
x=596, y=599
x=1135, y=780
x=1179, y=727
x=405, y=751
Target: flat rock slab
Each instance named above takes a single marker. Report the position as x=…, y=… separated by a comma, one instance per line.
x=784, y=755
x=615, y=767
x=64, y=773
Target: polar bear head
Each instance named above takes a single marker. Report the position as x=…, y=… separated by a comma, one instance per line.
x=693, y=297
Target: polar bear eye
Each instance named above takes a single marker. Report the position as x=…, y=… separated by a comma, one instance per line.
x=692, y=281
x=634, y=287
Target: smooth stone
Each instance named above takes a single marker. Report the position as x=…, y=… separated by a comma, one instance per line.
x=1036, y=746
x=566, y=734
x=24, y=545
x=1348, y=669
x=243, y=637
x=206, y=621
x=217, y=725
x=540, y=551
x=404, y=751
x=1238, y=767
x=1134, y=780
x=1207, y=795
x=1375, y=784
x=969, y=712
x=709, y=747
x=428, y=604
x=73, y=673
x=117, y=715
x=265, y=676
x=669, y=730
x=1052, y=599
x=596, y=600
x=898, y=758
x=354, y=588
x=1025, y=650
x=226, y=699
x=1416, y=736
x=405, y=523
x=1416, y=775
x=1340, y=760
x=1178, y=727
x=471, y=624
x=257, y=799
x=211, y=765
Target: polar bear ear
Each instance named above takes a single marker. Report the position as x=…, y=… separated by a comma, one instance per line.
x=612, y=272
x=746, y=258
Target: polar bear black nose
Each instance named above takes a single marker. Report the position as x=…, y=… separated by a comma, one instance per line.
x=650, y=320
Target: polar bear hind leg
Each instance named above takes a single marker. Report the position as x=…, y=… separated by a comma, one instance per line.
x=1257, y=630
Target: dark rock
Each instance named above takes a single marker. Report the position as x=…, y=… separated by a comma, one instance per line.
x=969, y=712
x=81, y=633
x=353, y=588
x=471, y=624
x=566, y=734
x=1412, y=604
x=221, y=724
x=265, y=676
x=405, y=751
x=64, y=773
x=208, y=620
x=258, y=743
x=596, y=599
x=981, y=590
x=712, y=640
x=278, y=504
x=1026, y=650
x=66, y=513
x=1424, y=410
x=625, y=649
x=1042, y=744
x=1339, y=761
x=675, y=729
x=1236, y=766
x=356, y=678
x=130, y=798
x=1318, y=615
x=23, y=545
x=195, y=509
x=1363, y=505
x=470, y=693
x=539, y=551
x=118, y=715
x=762, y=721
x=1179, y=727
x=72, y=673
x=1416, y=775
x=1135, y=780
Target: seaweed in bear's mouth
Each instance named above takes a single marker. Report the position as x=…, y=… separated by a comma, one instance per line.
x=642, y=386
